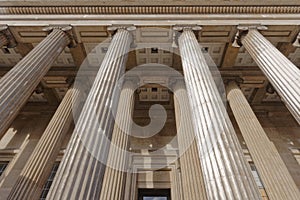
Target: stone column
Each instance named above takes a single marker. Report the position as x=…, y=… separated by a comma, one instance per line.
x=192, y=179
x=117, y=165
x=226, y=173
x=277, y=180
x=38, y=168
x=81, y=171
x=280, y=71
x=17, y=85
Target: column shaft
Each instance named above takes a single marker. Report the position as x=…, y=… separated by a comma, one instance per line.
x=117, y=165
x=282, y=73
x=81, y=172
x=38, y=168
x=17, y=85
x=225, y=171
x=277, y=180
x=192, y=179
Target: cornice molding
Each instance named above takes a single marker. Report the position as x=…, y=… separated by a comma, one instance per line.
x=4, y=10
x=148, y=3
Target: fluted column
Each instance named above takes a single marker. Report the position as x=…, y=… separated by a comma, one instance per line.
x=280, y=71
x=80, y=174
x=192, y=179
x=277, y=180
x=117, y=165
x=17, y=85
x=225, y=171
x=38, y=168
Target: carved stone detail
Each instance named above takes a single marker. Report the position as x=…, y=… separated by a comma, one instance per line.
x=149, y=9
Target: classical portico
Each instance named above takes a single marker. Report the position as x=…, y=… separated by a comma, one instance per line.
x=76, y=117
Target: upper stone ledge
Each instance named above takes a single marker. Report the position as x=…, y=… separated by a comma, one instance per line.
x=68, y=7
x=149, y=3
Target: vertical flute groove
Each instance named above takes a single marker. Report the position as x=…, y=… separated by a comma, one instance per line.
x=280, y=71
x=193, y=186
x=80, y=174
x=277, y=180
x=225, y=171
x=114, y=177
x=36, y=171
x=17, y=85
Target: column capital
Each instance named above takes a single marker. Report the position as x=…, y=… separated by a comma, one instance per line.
x=242, y=30
x=68, y=30
x=296, y=43
x=236, y=80
x=114, y=27
x=112, y=30
x=184, y=27
x=11, y=42
x=179, y=28
x=176, y=83
x=231, y=85
x=131, y=81
x=245, y=27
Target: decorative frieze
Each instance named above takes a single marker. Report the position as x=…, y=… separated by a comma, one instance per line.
x=150, y=10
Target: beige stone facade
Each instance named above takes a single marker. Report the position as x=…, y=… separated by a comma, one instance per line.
x=80, y=82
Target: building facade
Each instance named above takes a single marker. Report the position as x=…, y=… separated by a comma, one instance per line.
x=136, y=100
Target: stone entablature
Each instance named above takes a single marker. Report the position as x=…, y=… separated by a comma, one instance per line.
x=145, y=2
x=50, y=8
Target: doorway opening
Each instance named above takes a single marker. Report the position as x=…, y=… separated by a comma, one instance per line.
x=154, y=194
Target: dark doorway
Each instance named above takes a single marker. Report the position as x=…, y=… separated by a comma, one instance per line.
x=154, y=194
